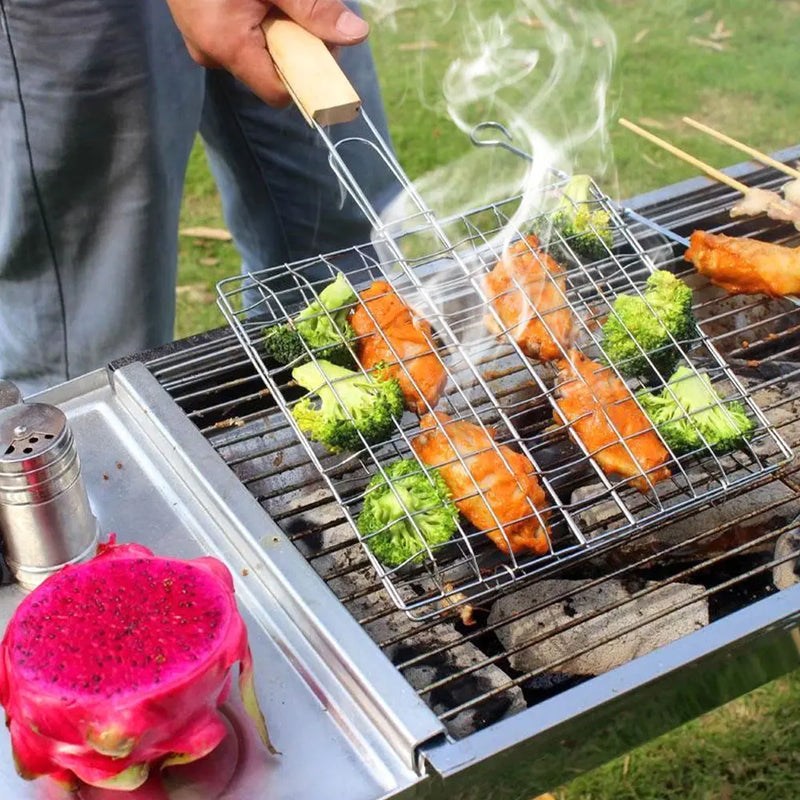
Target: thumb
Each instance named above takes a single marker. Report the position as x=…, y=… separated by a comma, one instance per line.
x=330, y=20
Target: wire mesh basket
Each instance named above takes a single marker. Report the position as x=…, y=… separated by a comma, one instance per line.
x=517, y=405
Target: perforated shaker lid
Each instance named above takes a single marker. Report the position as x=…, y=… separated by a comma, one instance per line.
x=31, y=436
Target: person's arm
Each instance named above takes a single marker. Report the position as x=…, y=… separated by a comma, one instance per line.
x=227, y=34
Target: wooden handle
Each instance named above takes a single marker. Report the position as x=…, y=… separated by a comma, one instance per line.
x=751, y=151
x=308, y=70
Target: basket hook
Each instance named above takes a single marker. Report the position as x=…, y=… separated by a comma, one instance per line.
x=506, y=143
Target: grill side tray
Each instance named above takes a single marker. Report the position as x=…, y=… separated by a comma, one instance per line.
x=363, y=673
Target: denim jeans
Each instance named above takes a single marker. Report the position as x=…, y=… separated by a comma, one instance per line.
x=99, y=107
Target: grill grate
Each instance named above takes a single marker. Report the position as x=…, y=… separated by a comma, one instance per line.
x=492, y=383
x=727, y=551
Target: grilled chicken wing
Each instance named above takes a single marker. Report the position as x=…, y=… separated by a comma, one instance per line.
x=746, y=266
x=527, y=292
x=383, y=319
x=591, y=394
x=508, y=493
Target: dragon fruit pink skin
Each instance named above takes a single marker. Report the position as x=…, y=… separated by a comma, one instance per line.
x=115, y=665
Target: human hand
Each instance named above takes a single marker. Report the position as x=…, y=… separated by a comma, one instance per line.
x=227, y=34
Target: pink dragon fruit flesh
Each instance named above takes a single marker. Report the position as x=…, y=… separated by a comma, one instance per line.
x=120, y=664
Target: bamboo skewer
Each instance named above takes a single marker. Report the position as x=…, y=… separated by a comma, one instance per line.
x=712, y=172
x=778, y=205
x=751, y=151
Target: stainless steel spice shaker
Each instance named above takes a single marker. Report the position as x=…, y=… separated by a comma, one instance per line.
x=45, y=517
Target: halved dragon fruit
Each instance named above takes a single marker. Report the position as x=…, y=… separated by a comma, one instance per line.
x=119, y=664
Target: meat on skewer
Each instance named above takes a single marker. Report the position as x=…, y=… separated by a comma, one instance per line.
x=763, y=201
x=791, y=191
x=745, y=266
x=383, y=322
x=526, y=289
x=755, y=201
x=590, y=395
x=759, y=201
x=507, y=494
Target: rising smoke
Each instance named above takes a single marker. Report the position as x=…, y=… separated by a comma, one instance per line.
x=542, y=68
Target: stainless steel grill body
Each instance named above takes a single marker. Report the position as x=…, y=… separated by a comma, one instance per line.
x=398, y=708
x=726, y=549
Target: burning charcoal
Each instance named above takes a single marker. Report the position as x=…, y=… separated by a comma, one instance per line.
x=586, y=602
x=402, y=640
x=458, y=657
x=784, y=416
x=729, y=312
x=787, y=574
x=731, y=514
x=366, y=599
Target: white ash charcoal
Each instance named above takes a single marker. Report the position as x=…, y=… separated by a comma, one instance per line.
x=346, y=563
x=787, y=574
x=731, y=513
x=267, y=469
x=255, y=437
x=766, y=449
x=785, y=417
x=728, y=312
x=281, y=501
x=393, y=622
x=316, y=531
x=372, y=600
x=580, y=602
x=369, y=597
x=595, y=517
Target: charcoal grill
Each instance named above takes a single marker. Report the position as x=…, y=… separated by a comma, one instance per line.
x=463, y=673
x=499, y=705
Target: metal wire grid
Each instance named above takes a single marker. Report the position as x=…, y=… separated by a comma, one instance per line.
x=456, y=564
x=272, y=467
x=468, y=567
x=590, y=295
x=273, y=470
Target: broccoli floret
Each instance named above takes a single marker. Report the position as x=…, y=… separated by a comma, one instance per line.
x=327, y=335
x=649, y=323
x=697, y=415
x=578, y=219
x=284, y=344
x=388, y=529
x=373, y=406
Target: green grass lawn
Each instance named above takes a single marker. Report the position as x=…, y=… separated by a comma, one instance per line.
x=731, y=63
x=747, y=750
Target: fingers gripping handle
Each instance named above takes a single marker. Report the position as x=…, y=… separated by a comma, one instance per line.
x=310, y=73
